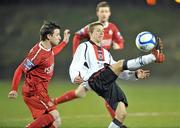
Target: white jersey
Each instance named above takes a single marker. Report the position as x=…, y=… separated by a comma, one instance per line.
x=88, y=59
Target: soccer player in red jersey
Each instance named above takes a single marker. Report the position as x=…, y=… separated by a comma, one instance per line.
x=38, y=68
x=112, y=35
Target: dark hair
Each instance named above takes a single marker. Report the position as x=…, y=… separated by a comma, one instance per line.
x=102, y=4
x=92, y=25
x=47, y=28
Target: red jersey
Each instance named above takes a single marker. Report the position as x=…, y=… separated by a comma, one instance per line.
x=112, y=35
x=38, y=67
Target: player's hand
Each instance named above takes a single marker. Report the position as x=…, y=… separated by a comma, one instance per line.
x=78, y=79
x=158, y=51
x=12, y=94
x=66, y=35
x=142, y=74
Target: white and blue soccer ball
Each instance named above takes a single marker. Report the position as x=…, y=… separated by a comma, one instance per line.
x=145, y=41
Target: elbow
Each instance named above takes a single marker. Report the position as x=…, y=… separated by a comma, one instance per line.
x=121, y=44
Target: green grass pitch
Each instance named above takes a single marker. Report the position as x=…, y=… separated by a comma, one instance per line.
x=151, y=105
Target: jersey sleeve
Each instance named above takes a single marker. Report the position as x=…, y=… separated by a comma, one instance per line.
x=33, y=59
x=79, y=35
x=118, y=40
x=57, y=49
x=17, y=78
x=77, y=62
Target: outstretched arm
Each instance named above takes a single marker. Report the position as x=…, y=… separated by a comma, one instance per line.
x=57, y=49
x=16, y=79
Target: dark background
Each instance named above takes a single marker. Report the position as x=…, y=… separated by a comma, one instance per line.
x=21, y=20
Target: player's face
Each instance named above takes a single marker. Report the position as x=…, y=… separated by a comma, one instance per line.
x=103, y=14
x=55, y=37
x=98, y=34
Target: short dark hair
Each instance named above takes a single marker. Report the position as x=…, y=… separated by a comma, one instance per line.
x=47, y=28
x=102, y=4
x=92, y=25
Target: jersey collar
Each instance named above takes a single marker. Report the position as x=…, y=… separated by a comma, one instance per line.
x=40, y=45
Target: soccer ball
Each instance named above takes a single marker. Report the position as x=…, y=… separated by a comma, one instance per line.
x=145, y=41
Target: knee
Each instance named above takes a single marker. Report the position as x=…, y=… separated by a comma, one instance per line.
x=80, y=92
x=57, y=119
x=117, y=67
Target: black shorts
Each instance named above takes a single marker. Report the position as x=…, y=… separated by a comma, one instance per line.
x=103, y=83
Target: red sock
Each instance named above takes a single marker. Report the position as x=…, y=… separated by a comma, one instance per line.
x=66, y=97
x=111, y=111
x=42, y=121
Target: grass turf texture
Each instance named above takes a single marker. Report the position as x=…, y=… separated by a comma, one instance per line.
x=150, y=106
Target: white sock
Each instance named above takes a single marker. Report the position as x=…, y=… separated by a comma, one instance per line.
x=140, y=61
x=113, y=125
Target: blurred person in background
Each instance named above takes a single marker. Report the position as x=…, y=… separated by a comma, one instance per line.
x=112, y=35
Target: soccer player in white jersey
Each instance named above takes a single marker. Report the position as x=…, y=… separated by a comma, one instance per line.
x=94, y=67
x=112, y=35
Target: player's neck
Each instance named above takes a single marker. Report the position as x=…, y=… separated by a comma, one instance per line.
x=95, y=42
x=105, y=23
x=46, y=44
